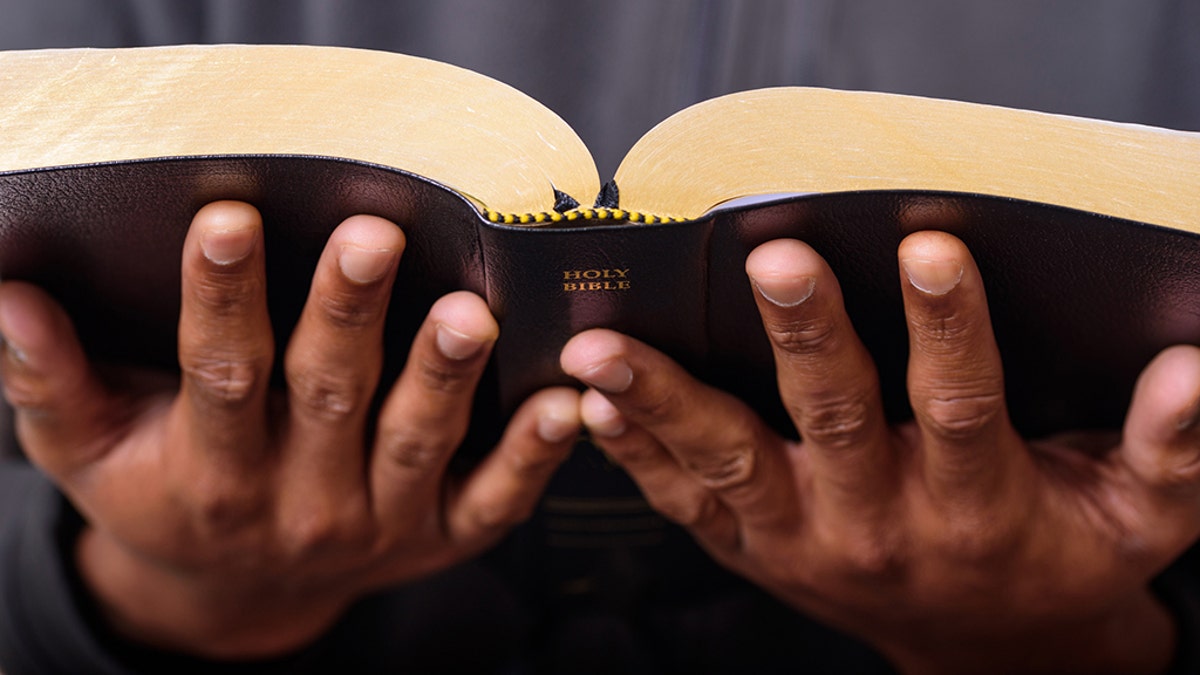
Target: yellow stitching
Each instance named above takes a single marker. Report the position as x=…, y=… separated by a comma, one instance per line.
x=605, y=214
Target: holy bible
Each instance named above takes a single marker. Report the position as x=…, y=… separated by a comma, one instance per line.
x=1085, y=231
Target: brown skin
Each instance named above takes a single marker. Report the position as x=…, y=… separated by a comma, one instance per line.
x=230, y=521
x=949, y=543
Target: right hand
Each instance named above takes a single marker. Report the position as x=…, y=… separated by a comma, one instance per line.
x=228, y=520
x=948, y=542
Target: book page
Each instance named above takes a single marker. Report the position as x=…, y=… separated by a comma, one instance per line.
x=456, y=127
x=805, y=140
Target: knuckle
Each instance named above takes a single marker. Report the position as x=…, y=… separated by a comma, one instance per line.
x=27, y=393
x=493, y=517
x=838, y=421
x=225, y=505
x=634, y=454
x=415, y=452
x=657, y=404
x=347, y=311
x=308, y=534
x=942, y=333
x=1178, y=478
x=961, y=416
x=229, y=381
x=311, y=531
x=326, y=395
x=868, y=552
x=873, y=557
x=1139, y=535
x=693, y=514
x=444, y=377
x=805, y=337
x=977, y=537
x=529, y=466
x=226, y=293
x=731, y=470
x=1177, y=472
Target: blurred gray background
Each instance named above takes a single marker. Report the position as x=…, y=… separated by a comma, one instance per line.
x=614, y=68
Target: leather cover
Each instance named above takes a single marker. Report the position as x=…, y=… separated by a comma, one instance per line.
x=1080, y=302
x=106, y=239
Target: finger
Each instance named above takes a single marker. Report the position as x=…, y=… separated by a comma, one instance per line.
x=713, y=436
x=1161, y=442
x=955, y=379
x=335, y=354
x=64, y=414
x=667, y=487
x=225, y=341
x=1161, y=448
x=827, y=379
x=503, y=490
x=425, y=416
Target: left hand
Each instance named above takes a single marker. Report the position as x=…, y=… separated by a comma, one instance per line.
x=230, y=519
x=949, y=542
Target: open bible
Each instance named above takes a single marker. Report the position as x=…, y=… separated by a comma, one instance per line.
x=1087, y=232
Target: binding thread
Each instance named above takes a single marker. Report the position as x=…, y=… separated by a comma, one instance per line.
x=613, y=215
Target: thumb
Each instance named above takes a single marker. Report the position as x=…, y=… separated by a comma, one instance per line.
x=62, y=409
x=1162, y=431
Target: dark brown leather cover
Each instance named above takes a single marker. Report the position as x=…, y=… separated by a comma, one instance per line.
x=1080, y=302
x=106, y=239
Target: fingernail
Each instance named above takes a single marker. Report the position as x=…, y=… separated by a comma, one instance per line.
x=1190, y=419
x=364, y=265
x=14, y=352
x=456, y=346
x=553, y=429
x=613, y=376
x=225, y=247
x=608, y=424
x=935, y=277
x=9, y=322
x=784, y=292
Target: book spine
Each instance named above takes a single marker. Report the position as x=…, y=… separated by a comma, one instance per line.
x=547, y=285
